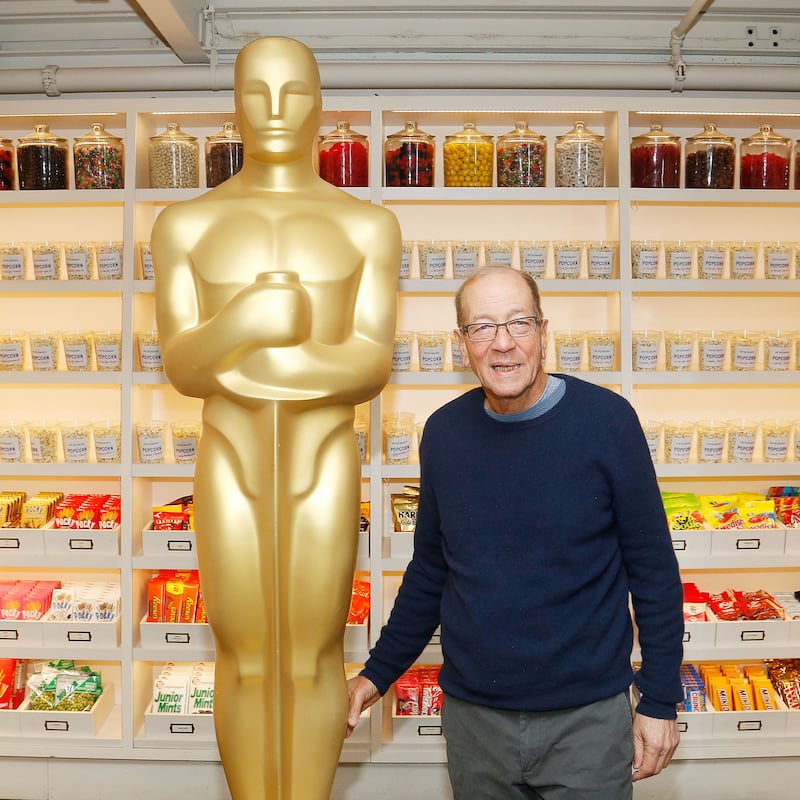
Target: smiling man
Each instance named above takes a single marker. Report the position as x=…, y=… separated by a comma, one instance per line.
x=527, y=553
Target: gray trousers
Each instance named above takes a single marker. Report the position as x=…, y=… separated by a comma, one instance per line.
x=582, y=753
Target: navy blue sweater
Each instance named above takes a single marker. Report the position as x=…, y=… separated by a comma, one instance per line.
x=530, y=539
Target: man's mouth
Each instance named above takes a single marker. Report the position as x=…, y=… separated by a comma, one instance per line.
x=504, y=367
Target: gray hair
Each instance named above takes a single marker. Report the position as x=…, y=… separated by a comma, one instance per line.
x=496, y=269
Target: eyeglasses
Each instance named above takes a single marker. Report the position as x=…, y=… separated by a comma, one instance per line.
x=486, y=331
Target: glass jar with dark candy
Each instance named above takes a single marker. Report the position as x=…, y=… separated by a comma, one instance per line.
x=42, y=160
x=656, y=160
x=764, y=160
x=6, y=165
x=344, y=157
x=99, y=160
x=409, y=157
x=710, y=159
x=224, y=154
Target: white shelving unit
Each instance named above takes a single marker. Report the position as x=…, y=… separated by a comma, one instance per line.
x=623, y=304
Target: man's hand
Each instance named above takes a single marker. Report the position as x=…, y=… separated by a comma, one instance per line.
x=363, y=693
x=654, y=742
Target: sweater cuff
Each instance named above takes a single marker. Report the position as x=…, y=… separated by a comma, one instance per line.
x=654, y=708
x=380, y=684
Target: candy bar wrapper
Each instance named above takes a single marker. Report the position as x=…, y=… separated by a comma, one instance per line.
x=407, y=693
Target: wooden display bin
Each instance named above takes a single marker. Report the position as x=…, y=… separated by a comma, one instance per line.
x=162, y=543
x=66, y=724
x=401, y=545
x=77, y=633
x=699, y=634
x=173, y=636
x=23, y=541
x=748, y=724
x=9, y=722
x=691, y=543
x=695, y=725
x=20, y=633
x=356, y=637
x=752, y=633
x=746, y=543
x=179, y=728
x=71, y=541
x=416, y=729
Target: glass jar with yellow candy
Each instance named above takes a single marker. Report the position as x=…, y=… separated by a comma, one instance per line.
x=468, y=157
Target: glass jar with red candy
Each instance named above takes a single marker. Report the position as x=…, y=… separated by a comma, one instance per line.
x=409, y=157
x=764, y=160
x=344, y=157
x=656, y=160
x=6, y=164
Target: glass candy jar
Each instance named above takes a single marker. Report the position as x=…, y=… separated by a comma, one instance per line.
x=409, y=157
x=580, y=157
x=710, y=159
x=344, y=157
x=656, y=160
x=224, y=154
x=764, y=160
x=42, y=160
x=99, y=159
x=521, y=157
x=6, y=164
x=468, y=157
x=174, y=159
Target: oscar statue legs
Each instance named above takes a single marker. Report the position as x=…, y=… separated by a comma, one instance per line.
x=277, y=518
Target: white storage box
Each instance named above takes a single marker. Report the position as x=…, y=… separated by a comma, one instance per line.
x=749, y=633
x=416, y=729
x=695, y=724
x=161, y=543
x=9, y=722
x=794, y=630
x=174, y=635
x=699, y=634
x=66, y=541
x=793, y=723
x=363, y=545
x=748, y=724
x=20, y=632
x=22, y=541
x=792, y=541
x=74, y=633
x=356, y=637
x=401, y=545
x=179, y=728
x=66, y=724
x=691, y=543
x=745, y=543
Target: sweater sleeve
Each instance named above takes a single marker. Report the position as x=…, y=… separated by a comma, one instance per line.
x=415, y=614
x=653, y=576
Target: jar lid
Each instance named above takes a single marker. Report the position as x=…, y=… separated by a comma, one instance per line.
x=410, y=132
x=6, y=142
x=98, y=134
x=172, y=133
x=229, y=133
x=656, y=135
x=342, y=133
x=710, y=135
x=580, y=131
x=766, y=136
x=41, y=135
x=521, y=133
x=467, y=133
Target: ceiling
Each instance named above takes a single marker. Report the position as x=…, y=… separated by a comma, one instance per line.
x=109, y=34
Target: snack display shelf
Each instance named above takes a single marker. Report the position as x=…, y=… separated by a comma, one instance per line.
x=613, y=213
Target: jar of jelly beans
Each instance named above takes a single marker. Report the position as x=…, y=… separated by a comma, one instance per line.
x=580, y=159
x=764, y=160
x=224, y=154
x=656, y=160
x=409, y=157
x=6, y=165
x=99, y=159
x=710, y=159
x=468, y=157
x=344, y=157
x=42, y=160
x=521, y=157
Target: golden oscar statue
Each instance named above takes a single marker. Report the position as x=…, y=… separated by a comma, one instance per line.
x=275, y=303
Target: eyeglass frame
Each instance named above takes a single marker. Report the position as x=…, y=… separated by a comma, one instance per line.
x=537, y=322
